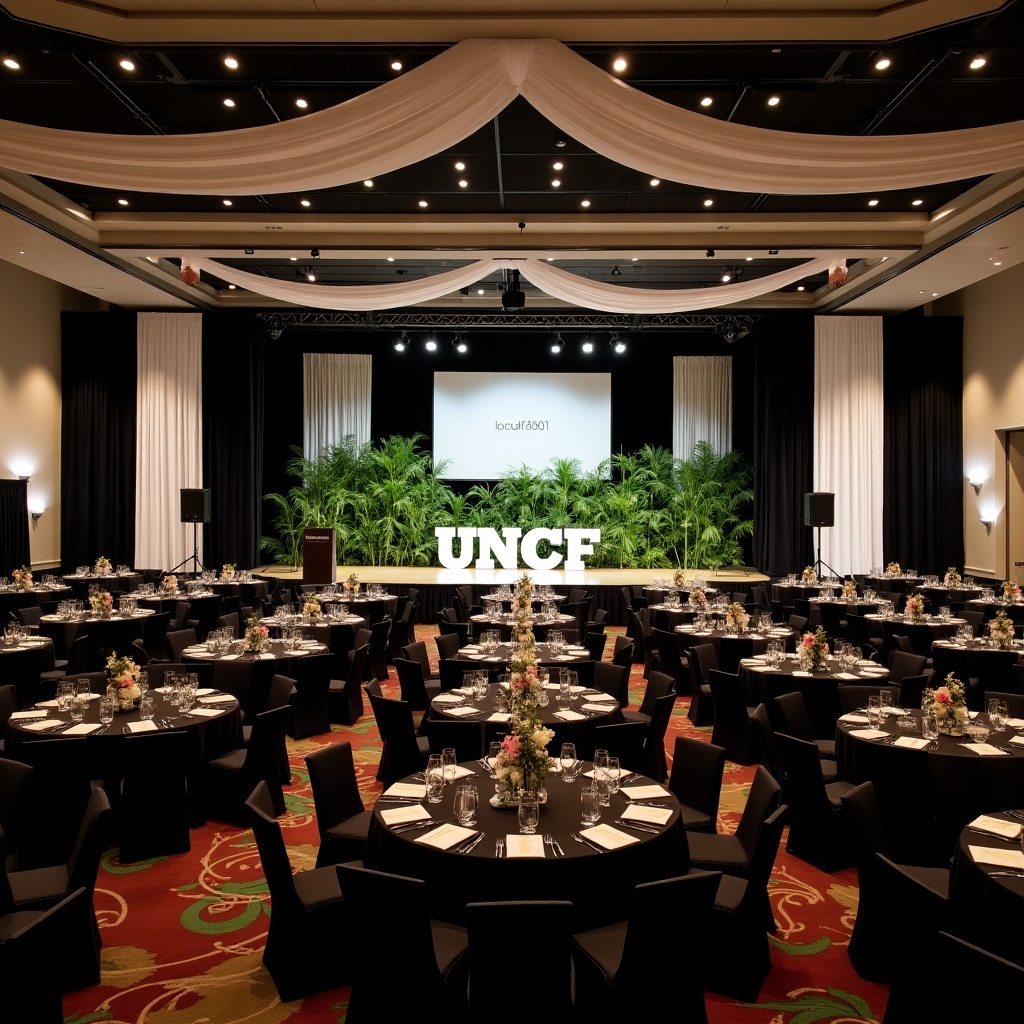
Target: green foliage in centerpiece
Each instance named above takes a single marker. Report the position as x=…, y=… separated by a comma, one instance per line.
x=123, y=681
x=383, y=502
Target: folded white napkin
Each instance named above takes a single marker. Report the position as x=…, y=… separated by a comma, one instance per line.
x=517, y=845
x=149, y=726
x=215, y=698
x=986, y=750
x=19, y=716
x=997, y=826
x=499, y=716
x=847, y=675
x=446, y=836
x=914, y=742
x=81, y=729
x=39, y=725
x=207, y=712
x=855, y=719
x=608, y=837
x=997, y=857
x=596, y=707
x=648, y=792
x=466, y=709
x=415, y=790
x=569, y=716
x=447, y=698
x=868, y=734
x=402, y=815
x=651, y=815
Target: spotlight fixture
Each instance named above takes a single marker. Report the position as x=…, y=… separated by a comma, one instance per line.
x=976, y=481
x=557, y=345
x=127, y=64
x=402, y=342
x=710, y=253
x=616, y=272
x=275, y=330
x=460, y=344
x=977, y=62
x=431, y=345
x=730, y=274
x=882, y=63
x=250, y=252
x=10, y=62
x=314, y=253
x=512, y=298
x=732, y=331
x=619, y=64
x=588, y=346
x=617, y=343
x=773, y=252
x=310, y=275
x=396, y=64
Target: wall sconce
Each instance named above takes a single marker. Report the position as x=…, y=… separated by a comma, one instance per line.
x=975, y=483
x=986, y=521
x=35, y=513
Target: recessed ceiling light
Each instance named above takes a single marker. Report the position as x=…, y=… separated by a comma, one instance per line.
x=391, y=259
x=655, y=182
x=555, y=183
x=229, y=102
x=560, y=143
x=122, y=202
x=230, y=62
x=633, y=259
x=872, y=202
x=368, y=183
x=311, y=276
x=882, y=63
x=978, y=62
x=799, y=287
x=303, y=202
x=997, y=263
x=557, y=165
x=459, y=165
x=619, y=64
x=935, y=295
x=431, y=345
x=479, y=291
x=585, y=202
x=709, y=202
x=921, y=291
x=10, y=62
x=750, y=259
x=151, y=260
x=231, y=287
x=706, y=102
x=463, y=183
x=294, y=259
x=423, y=203
x=396, y=65
x=726, y=276
x=773, y=101
x=227, y=202
x=301, y=103
x=128, y=65
x=917, y=202
x=551, y=259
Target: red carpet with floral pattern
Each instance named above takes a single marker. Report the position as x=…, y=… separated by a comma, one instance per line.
x=183, y=935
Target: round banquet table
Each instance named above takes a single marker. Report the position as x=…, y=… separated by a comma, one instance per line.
x=285, y=656
x=991, y=606
x=656, y=595
x=939, y=596
x=373, y=609
x=599, y=884
x=762, y=683
x=161, y=602
x=667, y=616
x=114, y=580
x=64, y=632
x=29, y=689
x=921, y=634
x=927, y=796
x=503, y=622
x=209, y=737
x=731, y=648
x=545, y=656
x=986, y=908
x=11, y=598
x=895, y=584
x=991, y=666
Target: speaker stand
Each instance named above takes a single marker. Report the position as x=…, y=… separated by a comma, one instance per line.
x=194, y=557
x=819, y=564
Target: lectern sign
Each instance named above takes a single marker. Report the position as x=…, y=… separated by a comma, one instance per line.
x=318, y=557
x=507, y=548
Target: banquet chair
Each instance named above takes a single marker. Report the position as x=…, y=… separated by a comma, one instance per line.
x=731, y=728
x=14, y=791
x=833, y=620
x=853, y=696
x=792, y=719
x=623, y=651
x=78, y=657
x=612, y=679
x=153, y=812
x=654, y=745
x=818, y=830
x=659, y=684
x=550, y=981
x=671, y=661
x=459, y=607
x=626, y=741
x=429, y=955
x=44, y=887
x=232, y=621
x=417, y=651
x=180, y=619
x=738, y=920
x=447, y=627
x=203, y=615
x=859, y=629
x=452, y=671
x=310, y=714
x=613, y=963
x=975, y=618
x=341, y=818
x=703, y=661
x=912, y=688
x=466, y=738
x=402, y=751
x=696, y=781
x=178, y=640
x=231, y=603
x=414, y=688
x=644, y=642
x=471, y=606
x=448, y=645
x=595, y=643
x=138, y=653
x=905, y=664
x=869, y=948
x=311, y=929
x=30, y=938
x=8, y=705
x=115, y=635
x=798, y=622
x=345, y=696
x=247, y=681
x=232, y=776
x=377, y=656
x=402, y=630
x=29, y=616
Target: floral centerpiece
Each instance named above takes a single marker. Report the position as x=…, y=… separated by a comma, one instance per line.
x=22, y=578
x=351, y=585
x=311, y=608
x=814, y=649
x=1011, y=592
x=849, y=590
x=256, y=635
x=808, y=575
x=523, y=762
x=101, y=603
x=679, y=578
x=950, y=707
x=952, y=578
x=698, y=598
x=914, y=608
x=123, y=682
x=736, y=615
x=102, y=566
x=893, y=569
x=1000, y=629
x=227, y=571
x=170, y=585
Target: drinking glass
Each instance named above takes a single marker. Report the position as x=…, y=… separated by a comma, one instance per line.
x=83, y=688
x=147, y=708
x=529, y=813
x=885, y=704
x=106, y=710
x=930, y=727
x=143, y=682
x=567, y=759
x=448, y=763
x=614, y=774
x=492, y=756
x=590, y=806
x=65, y=691
x=874, y=711
x=997, y=713
x=77, y=708
x=465, y=805
x=434, y=778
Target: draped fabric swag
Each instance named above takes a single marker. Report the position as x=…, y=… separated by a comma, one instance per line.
x=558, y=283
x=442, y=102
x=702, y=410
x=848, y=438
x=336, y=391
x=169, y=432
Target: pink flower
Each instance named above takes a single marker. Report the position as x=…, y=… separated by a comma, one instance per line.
x=942, y=696
x=510, y=744
x=808, y=641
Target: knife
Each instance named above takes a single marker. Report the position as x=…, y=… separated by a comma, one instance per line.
x=638, y=828
x=472, y=846
x=412, y=826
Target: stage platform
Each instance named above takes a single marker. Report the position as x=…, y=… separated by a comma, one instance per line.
x=436, y=584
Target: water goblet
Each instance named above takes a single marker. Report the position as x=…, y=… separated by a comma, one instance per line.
x=83, y=688
x=65, y=691
x=885, y=703
x=590, y=806
x=448, y=763
x=529, y=813
x=874, y=711
x=613, y=773
x=997, y=713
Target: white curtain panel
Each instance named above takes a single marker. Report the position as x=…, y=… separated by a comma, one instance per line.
x=579, y=291
x=848, y=437
x=336, y=390
x=169, y=436
x=442, y=102
x=703, y=403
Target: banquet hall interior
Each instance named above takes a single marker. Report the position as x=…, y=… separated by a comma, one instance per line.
x=796, y=234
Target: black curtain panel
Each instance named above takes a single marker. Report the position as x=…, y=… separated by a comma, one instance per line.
x=783, y=442
x=14, y=541
x=233, y=425
x=922, y=520
x=98, y=386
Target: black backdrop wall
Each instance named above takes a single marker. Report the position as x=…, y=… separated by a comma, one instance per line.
x=252, y=416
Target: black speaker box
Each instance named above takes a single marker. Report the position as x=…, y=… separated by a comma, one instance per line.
x=195, y=505
x=819, y=508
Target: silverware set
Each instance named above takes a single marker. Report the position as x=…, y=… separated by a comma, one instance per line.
x=556, y=849
x=470, y=844
x=412, y=826
x=650, y=829
x=499, y=848
x=586, y=842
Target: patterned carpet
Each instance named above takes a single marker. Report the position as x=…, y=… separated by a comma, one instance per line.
x=183, y=935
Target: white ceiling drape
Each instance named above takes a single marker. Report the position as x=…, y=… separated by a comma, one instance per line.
x=560, y=284
x=440, y=103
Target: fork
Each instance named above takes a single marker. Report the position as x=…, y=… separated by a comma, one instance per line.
x=550, y=842
x=499, y=847
x=586, y=842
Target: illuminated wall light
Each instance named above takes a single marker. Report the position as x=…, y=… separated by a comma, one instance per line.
x=303, y=202
x=459, y=165
x=227, y=202
x=882, y=63
x=122, y=202
x=977, y=62
x=301, y=103
x=230, y=62
x=585, y=203
x=422, y=203
x=128, y=65
x=706, y=102
x=10, y=62
x=916, y=202
x=773, y=101
x=976, y=478
x=229, y=102
x=655, y=182
x=619, y=64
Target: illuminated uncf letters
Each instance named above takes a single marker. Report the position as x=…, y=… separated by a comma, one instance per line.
x=506, y=548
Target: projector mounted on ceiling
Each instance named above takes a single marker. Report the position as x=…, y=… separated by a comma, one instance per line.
x=512, y=298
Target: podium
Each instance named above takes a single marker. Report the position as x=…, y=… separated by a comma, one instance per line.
x=319, y=559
